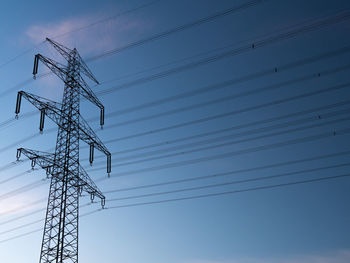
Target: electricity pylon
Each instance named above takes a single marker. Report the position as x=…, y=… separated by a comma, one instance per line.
x=68, y=178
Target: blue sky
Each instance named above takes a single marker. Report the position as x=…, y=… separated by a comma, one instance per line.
x=265, y=130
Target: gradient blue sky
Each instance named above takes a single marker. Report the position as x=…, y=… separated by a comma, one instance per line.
x=293, y=224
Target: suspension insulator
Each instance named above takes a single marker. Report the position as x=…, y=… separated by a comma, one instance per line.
x=91, y=155
x=92, y=197
x=33, y=163
x=18, y=154
x=103, y=203
x=42, y=120
x=18, y=103
x=108, y=164
x=102, y=117
x=35, y=67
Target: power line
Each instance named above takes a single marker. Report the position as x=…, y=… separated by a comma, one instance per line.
x=15, y=144
x=22, y=84
x=79, y=29
x=230, y=97
x=25, y=215
x=137, y=8
x=254, y=179
x=18, y=208
x=22, y=189
x=230, y=154
x=11, y=120
x=37, y=230
x=235, y=153
x=21, y=235
x=340, y=17
x=237, y=127
x=30, y=223
x=152, y=76
x=48, y=73
x=205, y=119
x=309, y=76
x=246, y=133
x=20, y=55
x=249, y=150
x=21, y=226
x=232, y=192
x=276, y=102
x=140, y=42
x=36, y=184
x=234, y=172
x=6, y=167
x=14, y=176
x=249, y=77
x=230, y=113
x=30, y=213
x=216, y=86
x=198, y=188
x=225, y=144
x=265, y=187
x=179, y=28
x=261, y=178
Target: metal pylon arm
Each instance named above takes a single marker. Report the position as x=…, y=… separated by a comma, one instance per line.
x=47, y=161
x=53, y=111
x=88, y=94
x=61, y=71
x=87, y=185
x=45, y=102
x=47, y=107
x=86, y=71
x=64, y=51
x=67, y=54
x=57, y=68
x=87, y=135
x=43, y=159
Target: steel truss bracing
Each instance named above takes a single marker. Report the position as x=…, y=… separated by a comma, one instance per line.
x=68, y=178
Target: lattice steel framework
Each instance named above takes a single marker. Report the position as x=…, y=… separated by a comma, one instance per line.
x=68, y=178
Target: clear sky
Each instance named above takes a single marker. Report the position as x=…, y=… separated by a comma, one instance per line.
x=258, y=92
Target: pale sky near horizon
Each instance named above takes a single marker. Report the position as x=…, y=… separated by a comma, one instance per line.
x=270, y=104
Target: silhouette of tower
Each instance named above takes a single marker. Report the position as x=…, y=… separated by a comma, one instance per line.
x=68, y=178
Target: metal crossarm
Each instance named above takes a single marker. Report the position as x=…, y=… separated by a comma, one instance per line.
x=53, y=111
x=61, y=71
x=50, y=108
x=88, y=135
x=66, y=53
x=57, y=68
x=88, y=94
x=47, y=161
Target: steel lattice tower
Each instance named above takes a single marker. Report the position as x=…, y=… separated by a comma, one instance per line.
x=68, y=178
